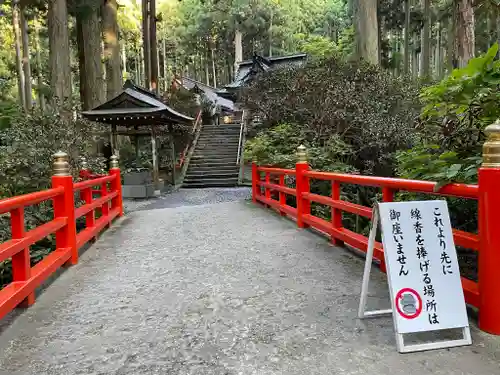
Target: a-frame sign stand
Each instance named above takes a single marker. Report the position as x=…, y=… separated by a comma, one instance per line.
x=363, y=313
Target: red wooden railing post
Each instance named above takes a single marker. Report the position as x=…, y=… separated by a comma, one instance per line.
x=282, y=196
x=336, y=213
x=21, y=262
x=489, y=229
x=64, y=206
x=255, y=180
x=267, y=191
x=302, y=186
x=116, y=185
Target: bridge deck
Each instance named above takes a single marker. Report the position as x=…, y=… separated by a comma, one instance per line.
x=224, y=288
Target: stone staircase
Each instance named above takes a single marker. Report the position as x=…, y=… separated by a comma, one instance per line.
x=213, y=163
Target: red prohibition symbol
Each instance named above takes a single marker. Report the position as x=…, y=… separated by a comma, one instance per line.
x=408, y=303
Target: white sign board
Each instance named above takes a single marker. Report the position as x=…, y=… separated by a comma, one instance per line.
x=422, y=269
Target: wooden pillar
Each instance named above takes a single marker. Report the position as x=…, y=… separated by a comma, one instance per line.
x=172, y=151
x=156, y=177
x=137, y=146
x=114, y=140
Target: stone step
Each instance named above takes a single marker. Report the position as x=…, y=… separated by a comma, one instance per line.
x=221, y=134
x=220, y=148
x=227, y=160
x=192, y=175
x=230, y=182
x=217, y=141
x=235, y=127
x=199, y=171
x=216, y=153
x=221, y=131
x=212, y=164
x=216, y=146
x=219, y=138
x=231, y=156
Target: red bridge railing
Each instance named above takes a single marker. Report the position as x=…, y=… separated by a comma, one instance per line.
x=483, y=294
x=25, y=279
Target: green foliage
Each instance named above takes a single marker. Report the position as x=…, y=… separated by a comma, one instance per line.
x=351, y=116
x=277, y=146
x=196, y=27
x=364, y=107
x=26, y=149
x=316, y=46
x=456, y=111
x=346, y=41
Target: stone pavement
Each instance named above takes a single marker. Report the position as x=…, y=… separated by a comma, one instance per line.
x=217, y=289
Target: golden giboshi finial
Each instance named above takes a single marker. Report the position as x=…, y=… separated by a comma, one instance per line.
x=113, y=164
x=60, y=165
x=491, y=148
x=301, y=154
x=85, y=165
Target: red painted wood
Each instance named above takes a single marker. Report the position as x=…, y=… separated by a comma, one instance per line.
x=116, y=188
x=336, y=213
x=282, y=195
x=279, y=188
x=255, y=181
x=20, y=292
x=9, y=204
x=456, y=190
x=21, y=261
x=339, y=234
x=64, y=207
x=489, y=255
x=302, y=187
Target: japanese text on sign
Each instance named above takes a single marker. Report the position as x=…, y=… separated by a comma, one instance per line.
x=422, y=266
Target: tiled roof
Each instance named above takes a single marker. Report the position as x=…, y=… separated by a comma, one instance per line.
x=209, y=91
x=248, y=69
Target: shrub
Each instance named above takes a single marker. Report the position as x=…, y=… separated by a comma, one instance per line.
x=26, y=149
x=364, y=107
x=456, y=111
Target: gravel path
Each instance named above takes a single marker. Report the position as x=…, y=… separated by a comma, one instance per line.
x=189, y=197
x=188, y=286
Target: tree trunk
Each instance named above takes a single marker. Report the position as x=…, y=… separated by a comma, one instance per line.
x=367, y=30
x=450, y=36
x=497, y=23
x=238, y=49
x=271, y=35
x=124, y=60
x=19, y=61
x=153, y=46
x=59, y=51
x=426, y=43
x=465, y=37
x=214, y=77
x=111, y=48
x=137, y=72
x=165, y=65
x=207, y=72
x=41, y=96
x=90, y=51
x=406, y=64
x=28, y=90
x=140, y=67
x=146, y=44
x=439, y=52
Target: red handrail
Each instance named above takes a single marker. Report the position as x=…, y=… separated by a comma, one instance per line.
x=25, y=279
x=482, y=242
